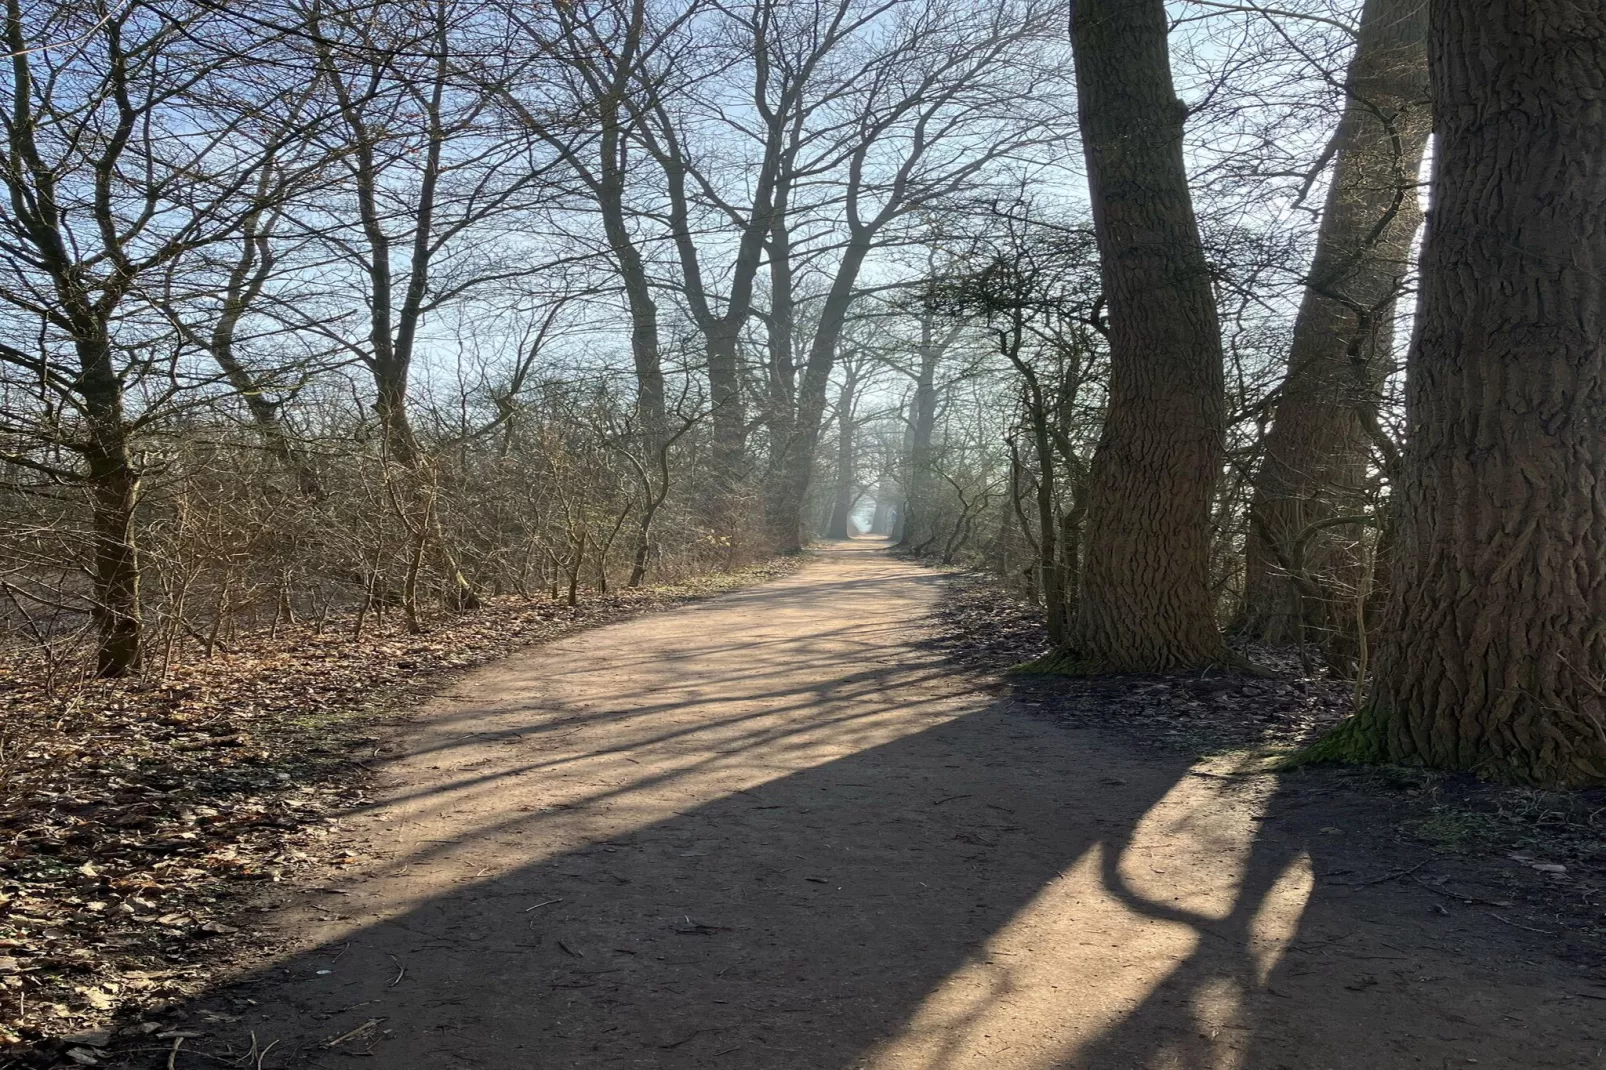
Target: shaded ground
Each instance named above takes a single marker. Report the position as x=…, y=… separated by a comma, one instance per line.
x=777, y=830
x=1537, y=857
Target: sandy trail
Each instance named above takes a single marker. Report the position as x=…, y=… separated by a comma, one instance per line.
x=771, y=831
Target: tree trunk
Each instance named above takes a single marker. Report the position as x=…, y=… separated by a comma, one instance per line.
x=1048, y=561
x=390, y=405
x=114, y=494
x=729, y=417
x=644, y=345
x=879, y=518
x=846, y=468
x=1495, y=657
x=917, y=502
x=780, y=410
x=1316, y=451
x=798, y=470
x=1145, y=602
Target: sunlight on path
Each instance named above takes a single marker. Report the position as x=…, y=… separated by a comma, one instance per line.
x=601, y=742
x=776, y=831
x=596, y=747
x=1080, y=957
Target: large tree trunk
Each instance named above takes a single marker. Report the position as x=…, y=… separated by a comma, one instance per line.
x=644, y=345
x=1495, y=656
x=786, y=501
x=1317, y=448
x=651, y=406
x=1145, y=602
x=780, y=408
x=729, y=416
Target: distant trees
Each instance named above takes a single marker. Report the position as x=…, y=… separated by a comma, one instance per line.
x=352, y=313
x=921, y=110
x=313, y=308
x=937, y=333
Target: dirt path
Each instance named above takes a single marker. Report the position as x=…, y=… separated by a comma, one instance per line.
x=771, y=831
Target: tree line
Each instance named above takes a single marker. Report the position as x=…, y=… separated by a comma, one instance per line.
x=327, y=311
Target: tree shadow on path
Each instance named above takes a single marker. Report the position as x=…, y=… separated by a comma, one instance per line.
x=766, y=834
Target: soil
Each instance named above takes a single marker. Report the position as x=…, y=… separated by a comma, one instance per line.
x=781, y=829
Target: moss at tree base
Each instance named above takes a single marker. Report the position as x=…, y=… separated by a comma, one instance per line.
x=1061, y=661
x=1376, y=735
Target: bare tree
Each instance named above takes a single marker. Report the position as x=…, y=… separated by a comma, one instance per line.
x=111, y=195
x=1316, y=452
x=604, y=64
x=939, y=102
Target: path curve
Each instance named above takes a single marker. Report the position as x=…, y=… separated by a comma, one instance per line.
x=773, y=831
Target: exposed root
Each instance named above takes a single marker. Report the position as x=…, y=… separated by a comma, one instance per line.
x=1065, y=661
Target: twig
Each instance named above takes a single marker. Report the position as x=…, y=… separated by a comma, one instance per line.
x=1385, y=877
x=1472, y=899
x=1514, y=925
x=401, y=971
x=172, y=1056
x=537, y=906
x=366, y=1027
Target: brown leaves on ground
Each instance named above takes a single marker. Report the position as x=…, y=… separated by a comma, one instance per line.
x=135, y=815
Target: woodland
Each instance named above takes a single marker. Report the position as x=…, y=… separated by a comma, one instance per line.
x=1204, y=328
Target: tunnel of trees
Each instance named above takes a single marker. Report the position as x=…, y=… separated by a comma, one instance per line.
x=345, y=310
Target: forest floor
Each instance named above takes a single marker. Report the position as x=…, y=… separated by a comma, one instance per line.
x=806, y=825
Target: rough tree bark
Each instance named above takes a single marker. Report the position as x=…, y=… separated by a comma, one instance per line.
x=1317, y=447
x=1495, y=658
x=1145, y=602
